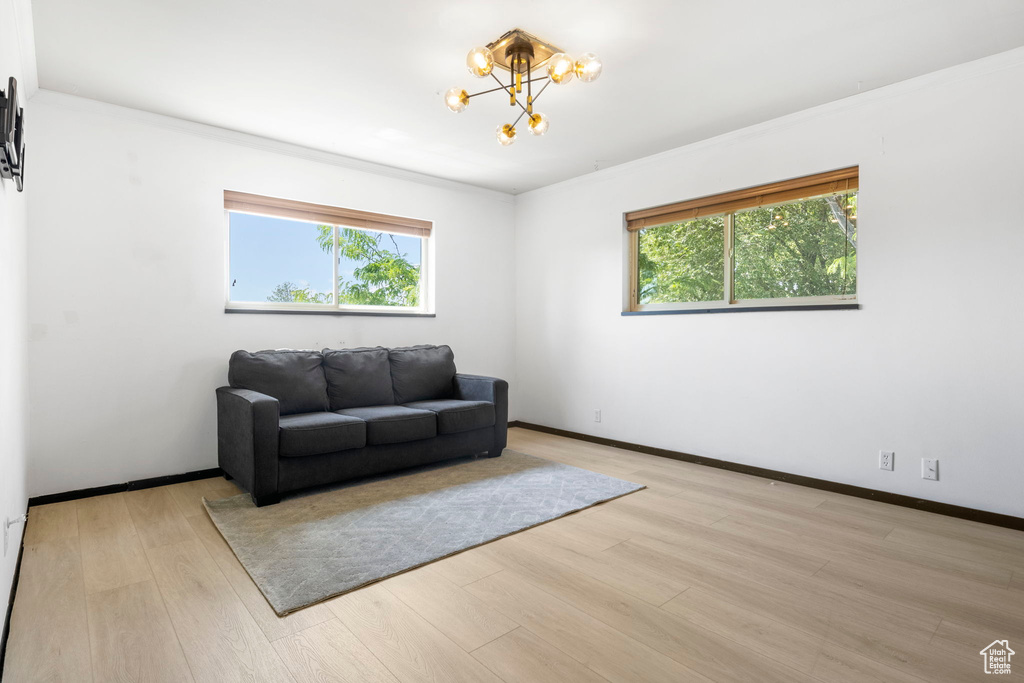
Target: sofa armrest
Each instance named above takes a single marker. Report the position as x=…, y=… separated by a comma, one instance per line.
x=247, y=437
x=480, y=388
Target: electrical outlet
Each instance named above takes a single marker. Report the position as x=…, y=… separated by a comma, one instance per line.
x=597, y=415
x=930, y=469
x=885, y=460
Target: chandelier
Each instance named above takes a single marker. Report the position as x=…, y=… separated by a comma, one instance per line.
x=522, y=54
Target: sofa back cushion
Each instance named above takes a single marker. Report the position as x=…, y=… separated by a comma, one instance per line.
x=358, y=377
x=420, y=373
x=295, y=378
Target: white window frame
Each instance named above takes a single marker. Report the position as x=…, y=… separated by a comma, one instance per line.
x=425, y=306
x=728, y=301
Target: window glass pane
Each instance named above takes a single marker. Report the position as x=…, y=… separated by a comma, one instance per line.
x=682, y=262
x=279, y=260
x=803, y=248
x=378, y=268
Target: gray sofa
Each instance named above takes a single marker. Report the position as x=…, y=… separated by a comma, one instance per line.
x=294, y=419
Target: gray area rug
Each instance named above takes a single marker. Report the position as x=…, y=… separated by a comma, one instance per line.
x=312, y=547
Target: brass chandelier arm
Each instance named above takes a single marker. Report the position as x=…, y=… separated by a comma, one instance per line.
x=511, y=91
x=484, y=92
x=508, y=88
x=542, y=79
x=505, y=86
x=498, y=81
x=542, y=89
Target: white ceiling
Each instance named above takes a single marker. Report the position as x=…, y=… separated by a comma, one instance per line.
x=365, y=79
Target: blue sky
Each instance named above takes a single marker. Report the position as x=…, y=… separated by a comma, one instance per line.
x=267, y=251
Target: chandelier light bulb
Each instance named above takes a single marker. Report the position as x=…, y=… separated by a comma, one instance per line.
x=480, y=62
x=538, y=124
x=506, y=135
x=588, y=68
x=456, y=99
x=561, y=68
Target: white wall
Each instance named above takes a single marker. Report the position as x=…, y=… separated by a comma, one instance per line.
x=932, y=365
x=128, y=336
x=17, y=58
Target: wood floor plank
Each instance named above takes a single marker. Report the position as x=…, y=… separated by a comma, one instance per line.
x=960, y=635
x=188, y=495
x=894, y=650
x=945, y=544
x=913, y=620
x=329, y=653
x=912, y=517
x=591, y=452
x=52, y=522
x=638, y=581
x=132, y=637
x=811, y=522
x=666, y=526
x=692, y=472
x=1017, y=581
x=219, y=487
x=904, y=559
x=112, y=554
x=273, y=626
x=801, y=602
x=49, y=636
x=945, y=595
x=522, y=656
x=403, y=641
x=608, y=467
x=465, y=567
x=157, y=518
x=577, y=533
x=771, y=638
x=587, y=456
x=609, y=652
x=793, y=493
x=451, y=610
x=689, y=644
x=838, y=665
x=220, y=640
x=744, y=488
x=789, y=607
x=693, y=513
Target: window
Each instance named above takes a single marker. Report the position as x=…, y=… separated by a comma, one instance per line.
x=785, y=244
x=293, y=256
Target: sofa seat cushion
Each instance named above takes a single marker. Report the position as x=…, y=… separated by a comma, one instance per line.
x=316, y=433
x=454, y=416
x=394, y=424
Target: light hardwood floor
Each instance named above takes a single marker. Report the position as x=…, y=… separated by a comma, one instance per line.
x=705, y=576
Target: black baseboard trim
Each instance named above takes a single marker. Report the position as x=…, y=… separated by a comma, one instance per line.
x=10, y=602
x=126, y=486
x=947, y=509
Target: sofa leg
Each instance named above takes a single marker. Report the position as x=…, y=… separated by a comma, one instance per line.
x=269, y=499
x=493, y=453
x=228, y=476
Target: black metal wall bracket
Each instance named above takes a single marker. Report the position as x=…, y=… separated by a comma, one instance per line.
x=12, y=136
